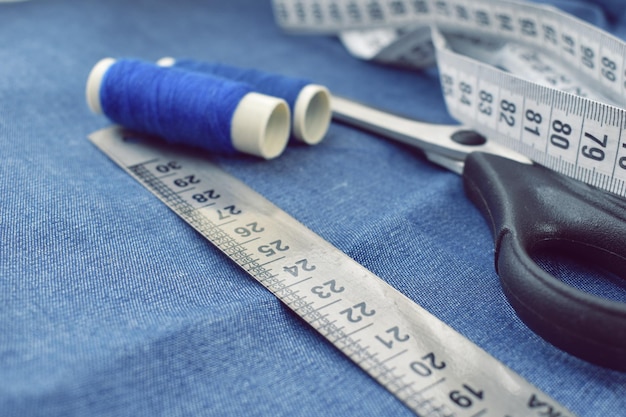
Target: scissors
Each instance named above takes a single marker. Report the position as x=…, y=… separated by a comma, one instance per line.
x=530, y=209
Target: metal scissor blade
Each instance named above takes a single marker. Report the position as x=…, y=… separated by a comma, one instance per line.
x=454, y=165
x=444, y=145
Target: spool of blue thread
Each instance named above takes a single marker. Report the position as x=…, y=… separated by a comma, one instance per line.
x=195, y=109
x=309, y=102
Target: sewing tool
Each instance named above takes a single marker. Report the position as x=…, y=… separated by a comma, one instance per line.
x=530, y=209
x=431, y=368
x=309, y=102
x=196, y=109
x=576, y=136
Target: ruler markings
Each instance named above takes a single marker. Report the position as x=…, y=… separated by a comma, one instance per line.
x=306, y=306
x=396, y=342
x=328, y=305
x=589, y=53
x=250, y=240
x=273, y=260
x=431, y=386
x=227, y=222
x=207, y=205
x=185, y=190
x=300, y=282
x=355, y=331
x=250, y=261
x=395, y=356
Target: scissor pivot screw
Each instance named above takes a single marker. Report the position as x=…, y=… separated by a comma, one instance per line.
x=468, y=137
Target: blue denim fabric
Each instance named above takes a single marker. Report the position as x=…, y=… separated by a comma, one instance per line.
x=110, y=305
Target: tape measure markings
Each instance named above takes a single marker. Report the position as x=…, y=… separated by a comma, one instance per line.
x=580, y=137
x=432, y=369
x=563, y=134
x=538, y=25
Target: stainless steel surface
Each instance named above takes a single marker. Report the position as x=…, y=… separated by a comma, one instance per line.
x=435, y=140
x=431, y=368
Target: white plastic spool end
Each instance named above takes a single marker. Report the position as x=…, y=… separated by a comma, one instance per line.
x=166, y=61
x=94, y=82
x=261, y=125
x=312, y=114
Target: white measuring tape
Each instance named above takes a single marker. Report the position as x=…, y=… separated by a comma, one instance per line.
x=431, y=368
x=559, y=105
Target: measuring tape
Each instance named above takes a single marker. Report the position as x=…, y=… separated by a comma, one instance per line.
x=431, y=368
x=578, y=136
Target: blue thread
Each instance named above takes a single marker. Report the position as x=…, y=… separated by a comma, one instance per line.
x=275, y=85
x=179, y=106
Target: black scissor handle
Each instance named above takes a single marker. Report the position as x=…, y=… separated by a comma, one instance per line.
x=530, y=209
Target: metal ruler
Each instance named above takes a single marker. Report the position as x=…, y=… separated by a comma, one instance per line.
x=527, y=111
x=431, y=368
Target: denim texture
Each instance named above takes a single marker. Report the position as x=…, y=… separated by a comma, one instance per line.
x=110, y=305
